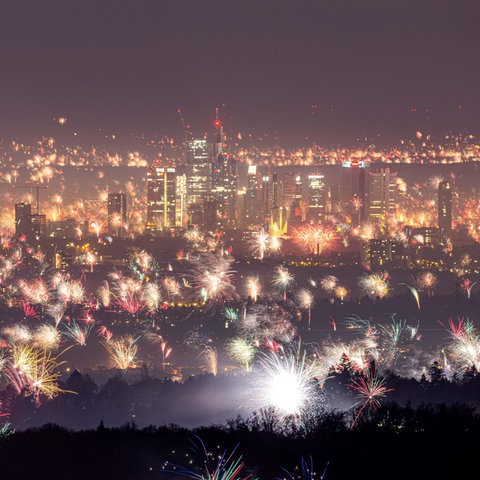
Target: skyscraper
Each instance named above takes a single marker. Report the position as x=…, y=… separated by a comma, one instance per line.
x=316, y=198
x=265, y=199
x=161, y=198
x=224, y=187
x=199, y=170
x=181, y=200
x=251, y=197
x=117, y=213
x=297, y=209
x=381, y=193
x=445, y=194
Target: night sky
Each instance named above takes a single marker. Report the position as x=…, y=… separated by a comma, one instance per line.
x=332, y=71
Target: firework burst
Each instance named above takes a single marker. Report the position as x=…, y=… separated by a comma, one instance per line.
x=282, y=280
x=370, y=388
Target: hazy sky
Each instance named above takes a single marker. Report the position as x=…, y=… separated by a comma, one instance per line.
x=331, y=70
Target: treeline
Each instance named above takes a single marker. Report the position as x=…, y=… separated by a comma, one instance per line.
x=391, y=442
x=208, y=399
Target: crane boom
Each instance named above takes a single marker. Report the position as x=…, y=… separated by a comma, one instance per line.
x=185, y=127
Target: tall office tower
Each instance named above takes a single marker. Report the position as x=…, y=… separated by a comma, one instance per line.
x=219, y=140
x=251, y=197
x=290, y=193
x=381, y=191
x=117, y=214
x=445, y=194
x=393, y=197
x=297, y=207
x=224, y=187
x=23, y=213
x=275, y=200
x=265, y=200
x=181, y=200
x=316, y=198
x=199, y=170
x=354, y=188
x=161, y=198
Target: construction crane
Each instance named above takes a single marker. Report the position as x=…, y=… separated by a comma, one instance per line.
x=186, y=128
x=37, y=187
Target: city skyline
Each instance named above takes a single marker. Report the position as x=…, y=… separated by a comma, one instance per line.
x=254, y=220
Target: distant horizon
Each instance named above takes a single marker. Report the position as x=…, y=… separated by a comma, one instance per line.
x=328, y=71
x=68, y=134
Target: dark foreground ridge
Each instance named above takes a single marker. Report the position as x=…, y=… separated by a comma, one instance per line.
x=427, y=442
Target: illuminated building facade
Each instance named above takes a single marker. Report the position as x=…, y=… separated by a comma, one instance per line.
x=224, y=187
x=161, y=198
x=381, y=193
x=199, y=170
x=445, y=196
x=316, y=198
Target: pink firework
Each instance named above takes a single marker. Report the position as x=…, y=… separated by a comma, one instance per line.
x=29, y=311
x=370, y=388
x=467, y=285
x=105, y=333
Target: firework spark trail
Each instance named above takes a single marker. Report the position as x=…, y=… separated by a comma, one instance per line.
x=426, y=282
x=307, y=471
x=414, y=292
x=282, y=280
x=28, y=310
x=77, y=333
x=122, y=351
x=34, y=370
x=213, y=277
x=375, y=284
x=103, y=293
x=47, y=337
x=391, y=337
x=166, y=351
x=253, y=287
x=151, y=297
x=230, y=313
x=467, y=285
x=465, y=343
x=210, y=356
x=172, y=287
x=267, y=321
x=35, y=292
x=56, y=311
x=222, y=466
x=241, y=350
x=105, y=333
x=18, y=334
x=359, y=354
x=306, y=301
x=314, y=238
x=370, y=388
x=263, y=243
